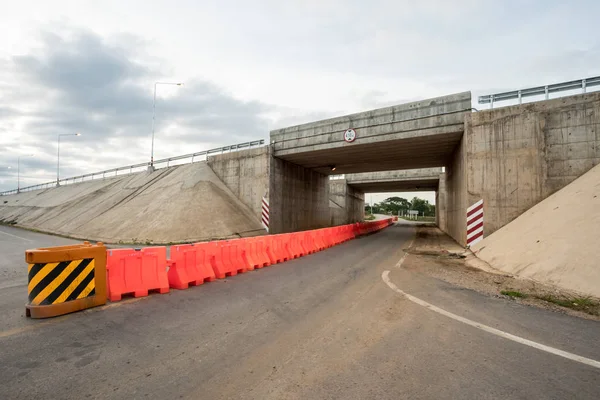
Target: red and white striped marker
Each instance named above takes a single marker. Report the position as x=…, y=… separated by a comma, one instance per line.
x=265, y=213
x=475, y=223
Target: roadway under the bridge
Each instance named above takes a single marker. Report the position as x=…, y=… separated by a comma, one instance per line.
x=324, y=326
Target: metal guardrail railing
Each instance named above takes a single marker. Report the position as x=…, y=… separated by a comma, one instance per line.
x=582, y=84
x=135, y=167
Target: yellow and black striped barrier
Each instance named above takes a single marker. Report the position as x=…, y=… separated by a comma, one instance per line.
x=65, y=279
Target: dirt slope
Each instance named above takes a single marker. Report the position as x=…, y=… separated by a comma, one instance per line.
x=557, y=241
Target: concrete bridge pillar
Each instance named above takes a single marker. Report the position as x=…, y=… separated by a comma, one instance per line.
x=298, y=196
x=347, y=204
x=440, y=204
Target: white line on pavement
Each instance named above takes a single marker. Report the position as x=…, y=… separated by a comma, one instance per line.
x=497, y=332
x=18, y=237
x=399, y=263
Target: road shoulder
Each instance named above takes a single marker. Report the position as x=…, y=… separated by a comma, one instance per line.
x=436, y=254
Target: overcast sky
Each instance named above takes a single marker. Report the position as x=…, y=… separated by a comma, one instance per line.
x=252, y=66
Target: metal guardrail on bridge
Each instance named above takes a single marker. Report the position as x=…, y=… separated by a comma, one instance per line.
x=135, y=167
x=582, y=84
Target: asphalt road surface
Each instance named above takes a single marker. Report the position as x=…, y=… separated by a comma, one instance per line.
x=325, y=326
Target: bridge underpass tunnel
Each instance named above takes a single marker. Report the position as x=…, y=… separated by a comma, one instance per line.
x=406, y=193
x=368, y=148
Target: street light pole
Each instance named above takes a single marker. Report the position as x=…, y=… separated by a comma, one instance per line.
x=19, y=171
x=58, y=155
x=154, y=116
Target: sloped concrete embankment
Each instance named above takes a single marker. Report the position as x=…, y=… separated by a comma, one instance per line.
x=554, y=242
x=178, y=204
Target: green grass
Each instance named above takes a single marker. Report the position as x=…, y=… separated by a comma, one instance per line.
x=513, y=294
x=585, y=304
x=369, y=217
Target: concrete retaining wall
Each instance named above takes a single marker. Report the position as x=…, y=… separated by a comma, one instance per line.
x=299, y=198
x=245, y=173
x=517, y=156
x=514, y=157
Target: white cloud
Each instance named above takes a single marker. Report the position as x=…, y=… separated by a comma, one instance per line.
x=85, y=65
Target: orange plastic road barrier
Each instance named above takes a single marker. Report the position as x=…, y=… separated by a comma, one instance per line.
x=188, y=267
x=347, y=232
x=356, y=229
x=341, y=234
x=362, y=228
x=326, y=236
x=308, y=243
x=299, y=238
x=255, y=252
x=137, y=272
x=294, y=248
x=291, y=245
x=223, y=258
x=318, y=240
x=332, y=235
x=65, y=279
x=236, y=255
x=283, y=243
x=261, y=251
x=247, y=253
x=269, y=249
x=275, y=249
x=213, y=257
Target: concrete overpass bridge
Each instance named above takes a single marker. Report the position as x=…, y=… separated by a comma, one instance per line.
x=511, y=158
x=409, y=180
x=398, y=148
x=421, y=134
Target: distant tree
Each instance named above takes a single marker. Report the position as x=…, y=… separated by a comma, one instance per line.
x=394, y=205
x=423, y=207
x=398, y=205
x=431, y=211
x=377, y=209
x=419, y=204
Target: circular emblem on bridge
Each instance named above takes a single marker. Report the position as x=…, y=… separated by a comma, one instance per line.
x=350, y=135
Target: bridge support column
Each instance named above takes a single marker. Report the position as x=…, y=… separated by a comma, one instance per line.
x=440, y=204
x=347, y=204
x=298, y=196
x=455, y=183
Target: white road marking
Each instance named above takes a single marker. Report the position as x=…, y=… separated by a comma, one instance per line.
x=15, y=236
x=399, y=263
x=493, y=331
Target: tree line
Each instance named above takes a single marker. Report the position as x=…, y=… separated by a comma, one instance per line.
x=400, y=206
